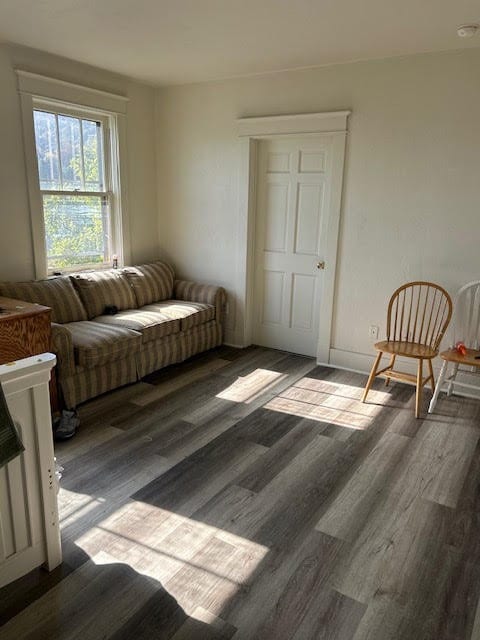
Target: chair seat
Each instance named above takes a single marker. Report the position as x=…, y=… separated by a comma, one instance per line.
x=406, y=349
x=470, y=359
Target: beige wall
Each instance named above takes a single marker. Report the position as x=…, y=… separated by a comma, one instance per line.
x=412, y=178
x=411, y=191
x=16, y=257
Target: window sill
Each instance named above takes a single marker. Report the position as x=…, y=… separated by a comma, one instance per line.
x=84, y=268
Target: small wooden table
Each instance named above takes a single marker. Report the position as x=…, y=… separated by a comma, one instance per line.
x=25, y=330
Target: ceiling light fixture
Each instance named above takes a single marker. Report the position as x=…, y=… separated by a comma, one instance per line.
x=467, y=30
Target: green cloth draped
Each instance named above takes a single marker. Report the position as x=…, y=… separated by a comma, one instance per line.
x=10, y=444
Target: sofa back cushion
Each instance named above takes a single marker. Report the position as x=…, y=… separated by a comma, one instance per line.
x=100, y=289
x=151, y=282
x=57, y=293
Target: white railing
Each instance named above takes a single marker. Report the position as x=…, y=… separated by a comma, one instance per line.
x=29, y=527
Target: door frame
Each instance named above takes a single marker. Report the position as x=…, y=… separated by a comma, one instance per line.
x=251, y=131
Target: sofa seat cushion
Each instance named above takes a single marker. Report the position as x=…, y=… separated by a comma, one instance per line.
x=100, y=289
x=95, y=343
x=151, y=282
x=57, y=293
x=151, y=324
x=190, y=314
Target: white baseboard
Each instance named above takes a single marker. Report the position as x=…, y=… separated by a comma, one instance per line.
x=233, y=339
x=362, y=363
x=350, y=360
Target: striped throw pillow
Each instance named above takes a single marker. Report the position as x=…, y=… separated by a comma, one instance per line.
x=151, y=282
x=100, y=289
x=56, y=293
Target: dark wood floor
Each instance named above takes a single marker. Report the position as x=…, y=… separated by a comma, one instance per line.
x=250, y=495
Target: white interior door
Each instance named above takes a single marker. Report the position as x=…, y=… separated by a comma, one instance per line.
x=294, y=193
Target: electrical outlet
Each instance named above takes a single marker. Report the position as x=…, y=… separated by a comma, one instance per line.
x=373, y=332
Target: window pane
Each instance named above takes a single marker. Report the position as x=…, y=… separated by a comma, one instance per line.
x=47, y=150
x=77, y=230
x=70, y=152
x=92, y=155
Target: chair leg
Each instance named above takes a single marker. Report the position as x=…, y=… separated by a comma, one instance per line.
x=432, y=377
x=438, y=388
x=418, y=400
x=372, y=375
x=452, y=379
x=390, y=366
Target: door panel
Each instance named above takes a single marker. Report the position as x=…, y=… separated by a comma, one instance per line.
x=303, y=294
x=312, y=161
x=276, y=217
x=278, y=162
x=273, y=299
x=293, y=186
x=308, y=219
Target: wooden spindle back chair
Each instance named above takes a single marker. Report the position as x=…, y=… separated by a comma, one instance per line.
x=466, y=329
x=417, y=318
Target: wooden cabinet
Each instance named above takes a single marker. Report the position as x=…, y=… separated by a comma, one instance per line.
x=25, y=331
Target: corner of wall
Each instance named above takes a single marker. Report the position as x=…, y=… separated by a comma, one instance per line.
x=158, y=181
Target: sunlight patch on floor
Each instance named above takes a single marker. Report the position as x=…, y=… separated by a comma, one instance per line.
x=319, y=413
x=353, y=392
x=73, y=506
x=248, y=388
x=327, y=400
x=176, y=550
x=333, y=403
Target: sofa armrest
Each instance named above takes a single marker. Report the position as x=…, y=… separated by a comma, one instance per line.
x=62, y=345
x=206, y=293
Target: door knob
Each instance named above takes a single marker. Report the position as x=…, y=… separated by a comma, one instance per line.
x=321, y=265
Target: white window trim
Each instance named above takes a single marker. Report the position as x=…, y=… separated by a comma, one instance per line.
x=35, y=89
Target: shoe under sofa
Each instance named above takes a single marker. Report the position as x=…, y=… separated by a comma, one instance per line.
x=113, y=327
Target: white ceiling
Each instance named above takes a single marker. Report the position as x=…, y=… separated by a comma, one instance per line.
x=179, y=41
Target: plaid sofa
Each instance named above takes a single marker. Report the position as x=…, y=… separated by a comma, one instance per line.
x=154, y=321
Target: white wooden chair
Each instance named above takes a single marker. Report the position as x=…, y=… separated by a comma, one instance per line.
x=466, y=329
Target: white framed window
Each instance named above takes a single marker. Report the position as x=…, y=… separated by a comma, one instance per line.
x=75, y=160
x=76, y=190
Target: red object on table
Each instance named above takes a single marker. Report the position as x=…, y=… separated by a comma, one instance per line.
x=461, y=348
